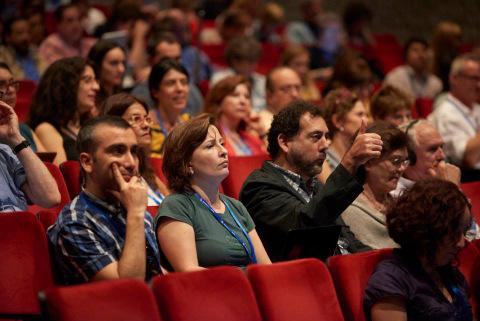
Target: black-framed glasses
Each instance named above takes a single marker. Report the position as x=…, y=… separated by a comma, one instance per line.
x=4, y=85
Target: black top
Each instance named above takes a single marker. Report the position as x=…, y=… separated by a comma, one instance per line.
x=276, y=207
x=403, y=276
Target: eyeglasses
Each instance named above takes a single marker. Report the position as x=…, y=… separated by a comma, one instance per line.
x=4, y=85
x=398, y=161
x=138, y=120
x=470, y=77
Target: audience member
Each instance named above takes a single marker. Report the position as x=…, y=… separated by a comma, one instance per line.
x=36, y=23
x=135, y=112
x=284, y=194
x=414, y=77
x=306, y=31
x=68, y=41
x=106, y=232
x=108, y=60
x=23, y=175
x=269, y=27
x=282, y=87
x=421, y=281
x=91, y=16
x=446, y=41
x=9, y=87
x=64, y=98
x=298, y=58
x=19, y=53
x=344, y=114
x=164, y=45
x=457, y=118
x=229, y=101
x=242, y=55
x=197, y=227
x=234, y=23
x=366, y=215
x=168, y=85
x=392, y=105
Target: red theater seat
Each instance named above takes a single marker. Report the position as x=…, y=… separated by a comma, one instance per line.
x=240, y=167
x=24, y=264
x=469, y=264
x=350, y=274
x=157, y=163
x=472, y=190
x=71, y=173
x=217, y=294
x=115, y=300
x=295, y=290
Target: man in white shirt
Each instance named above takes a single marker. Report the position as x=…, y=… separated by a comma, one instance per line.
x=457, y=118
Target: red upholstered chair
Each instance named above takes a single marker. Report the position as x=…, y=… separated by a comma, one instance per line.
x=71, y=173
x=62, y=187
x=240, y=167
x=295, y=290
x=152, y=210
x=47, y=218
x=157, y=163
x=24, y=264
x=469, y=264
x=217, y=294
x=424, y=107
x=125, y=299
x=472, y=190
x=350, y=274
x=24, y=98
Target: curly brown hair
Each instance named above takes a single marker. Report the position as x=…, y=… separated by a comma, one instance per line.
x=388, y=101
x=178, y=150
x=424, y=215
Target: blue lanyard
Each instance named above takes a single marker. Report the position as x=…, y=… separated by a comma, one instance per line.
x=467, y=118
x=251, y=253
x=160, y=122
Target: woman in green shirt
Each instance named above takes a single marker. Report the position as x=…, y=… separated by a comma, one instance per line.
x=196, y=226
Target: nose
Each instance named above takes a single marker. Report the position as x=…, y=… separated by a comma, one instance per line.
x=222, y=151
x=121, y=68
x=461, y=242
x=95, y=85
x=440, y=155
x=295, y=92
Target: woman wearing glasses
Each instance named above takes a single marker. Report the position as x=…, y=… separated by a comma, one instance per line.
x=366, y=215
x=135, y=112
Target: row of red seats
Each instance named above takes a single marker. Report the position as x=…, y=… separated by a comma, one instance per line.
x=295, y=290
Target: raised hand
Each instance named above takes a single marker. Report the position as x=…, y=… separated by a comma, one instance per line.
x=9, y=131
x=365, y=147
x=133, y=194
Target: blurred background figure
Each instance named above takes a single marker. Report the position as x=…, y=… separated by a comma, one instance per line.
x=392, y=105
x=446, y=41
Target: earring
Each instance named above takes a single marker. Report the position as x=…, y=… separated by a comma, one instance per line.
x=341, y=129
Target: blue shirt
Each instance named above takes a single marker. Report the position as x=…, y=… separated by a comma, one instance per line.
x=12, y=178
x=89, y=235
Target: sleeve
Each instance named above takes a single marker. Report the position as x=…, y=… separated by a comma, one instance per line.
x=177, y=207
x=84, y=250
x=14, y=166
x=276, y=206
x=387, y=281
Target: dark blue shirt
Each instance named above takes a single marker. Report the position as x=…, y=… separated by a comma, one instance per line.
x=403, y=276
x=89, y=234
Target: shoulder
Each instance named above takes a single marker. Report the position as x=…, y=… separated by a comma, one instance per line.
x=267, y=174
x=46, y=128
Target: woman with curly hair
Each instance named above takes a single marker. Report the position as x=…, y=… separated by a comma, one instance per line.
x=65, y=97
x=419, y=282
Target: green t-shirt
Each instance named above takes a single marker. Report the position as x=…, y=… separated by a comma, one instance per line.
x=215, y=245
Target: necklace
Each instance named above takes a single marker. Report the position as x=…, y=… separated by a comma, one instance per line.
x=371, y=199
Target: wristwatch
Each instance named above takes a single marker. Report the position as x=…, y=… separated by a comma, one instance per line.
x=20, y=146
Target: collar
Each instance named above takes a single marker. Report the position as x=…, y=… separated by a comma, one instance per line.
x=412, y=73
x=296, y=178
x=459, y=104
x=114, y=209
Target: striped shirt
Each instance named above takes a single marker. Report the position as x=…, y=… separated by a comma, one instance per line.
x=89, y=234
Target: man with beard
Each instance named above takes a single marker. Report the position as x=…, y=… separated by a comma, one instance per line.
x=105, y=233
x=18, y=52
x=284, y=194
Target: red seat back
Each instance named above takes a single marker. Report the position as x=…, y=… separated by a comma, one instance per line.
x=351, y=274
x=24, y=99
x=472, y=191
x=47, y=218
x=125, y=299
x=217, y=294
x=295, y=290
x=62, y=188
x=424, y=107
x=71, y=172
x=24, y=264
x=469, y=264
x=157, y=163
x=240, y=167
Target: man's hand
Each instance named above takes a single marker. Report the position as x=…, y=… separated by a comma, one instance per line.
x=9, y=131
x=446, y=172
x=133, y=194
x=365, y=147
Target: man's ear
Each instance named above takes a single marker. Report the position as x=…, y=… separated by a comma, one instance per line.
x=283, y=143
x=86, y=162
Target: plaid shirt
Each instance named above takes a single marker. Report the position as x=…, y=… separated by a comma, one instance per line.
x=89, y=235
x=305, y=189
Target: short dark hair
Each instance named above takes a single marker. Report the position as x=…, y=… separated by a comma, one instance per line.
x=424, y=215
x=117, y=104
x=98, y=52
x=155, y=38
x=5, y=66
x=287, y=122
x=243, y=48
x=9, y=23
x=58, y=14
x=178, y=150
x=410, y=42
x=159, y=71
x=85, y=139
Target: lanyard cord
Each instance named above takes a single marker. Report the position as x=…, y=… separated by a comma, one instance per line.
x=250, y=253
x=468, y=119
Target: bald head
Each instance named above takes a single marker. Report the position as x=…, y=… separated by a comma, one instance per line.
x=283, y=86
